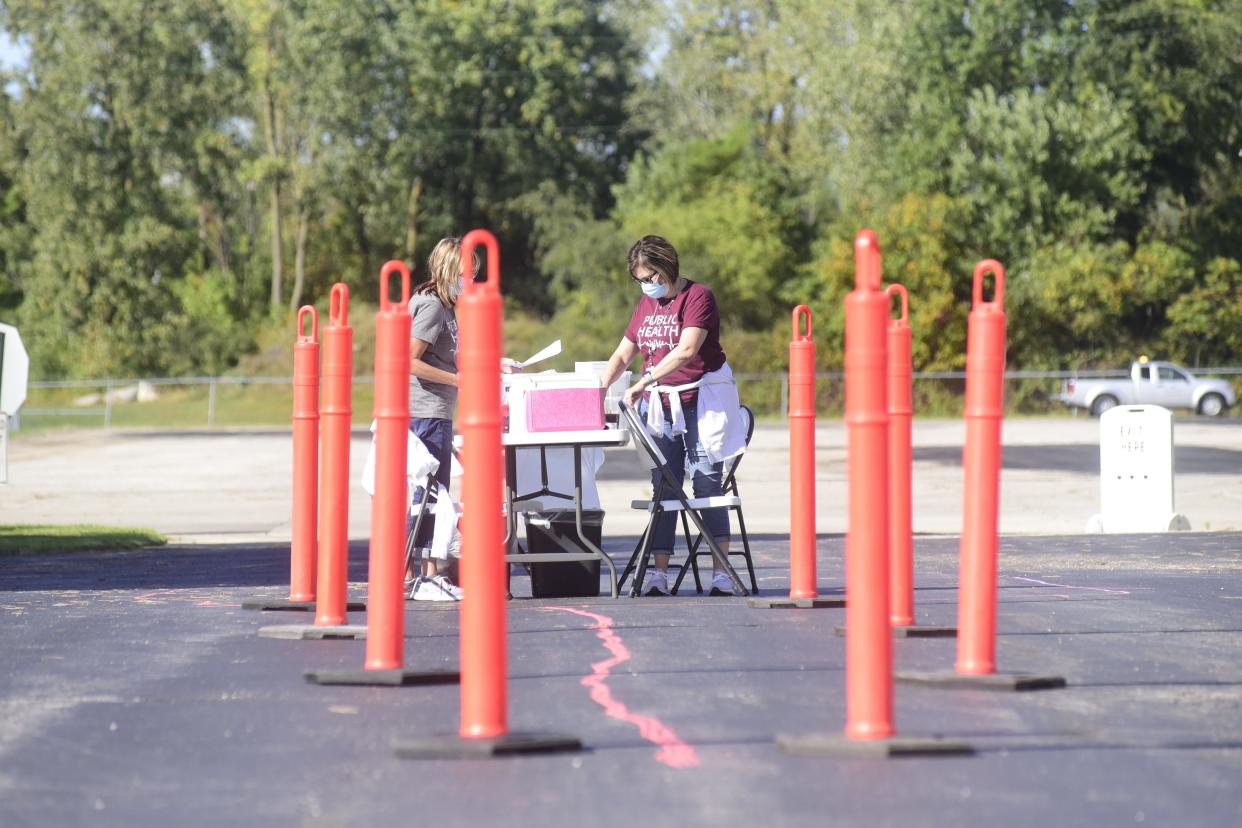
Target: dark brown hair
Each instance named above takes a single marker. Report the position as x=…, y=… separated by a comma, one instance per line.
x=656, y=253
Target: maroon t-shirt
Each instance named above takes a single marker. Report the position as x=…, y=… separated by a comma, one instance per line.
x=656, y=328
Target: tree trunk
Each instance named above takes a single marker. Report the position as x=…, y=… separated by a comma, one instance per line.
x=362, y=241
x=212, y=233
x=271, y=131
x=299, y=259
x=411, y=218
x=277, y=243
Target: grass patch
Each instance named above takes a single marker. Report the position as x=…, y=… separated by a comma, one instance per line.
x=34, y=540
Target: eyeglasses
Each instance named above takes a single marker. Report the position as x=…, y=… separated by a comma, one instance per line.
x=650, y=278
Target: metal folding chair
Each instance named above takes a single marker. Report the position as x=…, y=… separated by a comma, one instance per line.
x=668, y=496
x=429, y=486
x=729, y=485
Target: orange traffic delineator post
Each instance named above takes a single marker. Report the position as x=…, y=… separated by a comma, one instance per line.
x=869, y=728
x=484, y=726
x=802, y=458
x=385, y=631
x=303, y=544
x=305, y=459
x=981, y=463
x=900, y=468
x=803, y=591
x=868, y=643
x=483, y=652
x=900, y=461
x=385, y=601
x=333, y=419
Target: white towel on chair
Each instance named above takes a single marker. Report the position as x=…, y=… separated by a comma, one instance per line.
x=446, y=514
x=419, y=463
x=722, y=430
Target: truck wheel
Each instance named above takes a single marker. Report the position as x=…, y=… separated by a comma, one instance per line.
x=1102, y=403
x=1212, y=405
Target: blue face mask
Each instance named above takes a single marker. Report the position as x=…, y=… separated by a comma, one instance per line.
x=656, y=290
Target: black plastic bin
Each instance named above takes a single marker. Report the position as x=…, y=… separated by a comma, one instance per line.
x=572, y=579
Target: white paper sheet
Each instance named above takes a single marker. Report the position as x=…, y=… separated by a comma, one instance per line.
x=545, y=353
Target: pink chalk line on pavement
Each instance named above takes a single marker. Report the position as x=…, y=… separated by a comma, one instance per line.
x=161, y=596
x=673, y=751
x=1071, y=586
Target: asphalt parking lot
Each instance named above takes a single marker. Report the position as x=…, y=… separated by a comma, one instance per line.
x=138, y=693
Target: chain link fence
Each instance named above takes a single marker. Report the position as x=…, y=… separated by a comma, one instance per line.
x=231, y=402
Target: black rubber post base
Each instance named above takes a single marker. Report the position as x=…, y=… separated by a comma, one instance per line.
x=269, y=604
x=834, y=744
x=452, y=746
x=923, y=631
x=286, y=605
x=1009, y=682
x=785, y=602
x=310, y=632
x=912, y=631
x=383, y=678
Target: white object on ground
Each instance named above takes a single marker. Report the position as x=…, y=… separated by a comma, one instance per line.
x=1136, y=472
x=16, y=365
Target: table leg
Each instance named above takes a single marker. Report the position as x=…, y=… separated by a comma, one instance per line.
x=511, y=517
x=582, y=538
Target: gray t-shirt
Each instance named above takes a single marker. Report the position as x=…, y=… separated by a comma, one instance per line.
x=436, y=325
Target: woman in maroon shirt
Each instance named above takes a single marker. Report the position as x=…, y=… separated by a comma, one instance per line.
x=676, y=327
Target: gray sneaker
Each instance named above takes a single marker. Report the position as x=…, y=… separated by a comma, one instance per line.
x=435, y=588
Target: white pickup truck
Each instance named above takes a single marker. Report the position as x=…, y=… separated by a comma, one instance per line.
x=1151, y=383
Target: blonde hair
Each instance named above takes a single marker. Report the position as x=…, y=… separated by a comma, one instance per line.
x=444, y=269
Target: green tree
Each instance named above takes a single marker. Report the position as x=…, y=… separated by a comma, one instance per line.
x=15, y=232
x=712, y=199
x=502, y=97
x=919, y=250
x=1205, y=322
x=1090, y=141
x=1033, y=169
x=120, y=116
x=172, y=174
x=267, y=61
x=1097, y=305
x=324, y=95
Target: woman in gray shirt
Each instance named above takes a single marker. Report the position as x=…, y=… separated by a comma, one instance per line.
x=433, y=396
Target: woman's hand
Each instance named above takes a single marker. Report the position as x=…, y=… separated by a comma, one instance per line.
x=510, y=366
x=420, y=369
x=621, y=357
x=634, y=392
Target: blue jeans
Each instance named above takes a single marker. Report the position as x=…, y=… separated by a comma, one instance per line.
x=437, y=435
x=680, y=451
